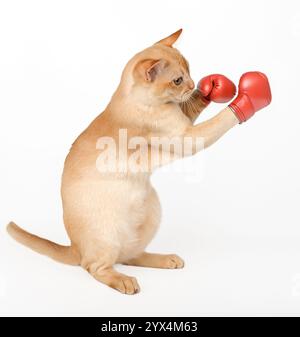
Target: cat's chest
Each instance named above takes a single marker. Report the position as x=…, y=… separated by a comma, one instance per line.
x=170, y=122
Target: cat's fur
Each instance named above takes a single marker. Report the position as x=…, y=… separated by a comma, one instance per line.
x=111, y=218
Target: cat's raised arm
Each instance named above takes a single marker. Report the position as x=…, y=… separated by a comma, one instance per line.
x=193, y=107
x=215, y=87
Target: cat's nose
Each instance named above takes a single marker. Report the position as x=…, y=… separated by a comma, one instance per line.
x=191, y=84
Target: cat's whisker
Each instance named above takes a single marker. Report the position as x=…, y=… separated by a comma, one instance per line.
x=191, y=103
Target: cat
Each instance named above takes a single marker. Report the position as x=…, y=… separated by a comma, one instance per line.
x=111, y=217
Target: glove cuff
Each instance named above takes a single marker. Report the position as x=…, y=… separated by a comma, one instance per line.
x=238, y=112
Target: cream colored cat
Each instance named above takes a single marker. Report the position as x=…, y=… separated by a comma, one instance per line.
x=111, y=217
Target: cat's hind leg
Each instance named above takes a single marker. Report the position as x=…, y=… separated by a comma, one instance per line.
x=99, y=257
x=121, y=282
x=104, y=272
x=146, y=233
x=164, y=261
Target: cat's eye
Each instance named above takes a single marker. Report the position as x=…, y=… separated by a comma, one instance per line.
x=178, y=80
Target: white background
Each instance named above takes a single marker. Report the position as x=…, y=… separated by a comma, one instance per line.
x=238, y=229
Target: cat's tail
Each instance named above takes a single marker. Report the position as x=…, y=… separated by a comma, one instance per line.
x=63, y=254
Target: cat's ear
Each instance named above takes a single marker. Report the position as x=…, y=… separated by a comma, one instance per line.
x=149, y=69
x=170, y=40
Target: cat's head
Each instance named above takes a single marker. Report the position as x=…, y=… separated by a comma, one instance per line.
x=160, y=74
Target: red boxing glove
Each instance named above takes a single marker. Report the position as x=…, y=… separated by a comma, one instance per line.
x=216, y=88
x=254, y=94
